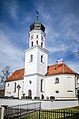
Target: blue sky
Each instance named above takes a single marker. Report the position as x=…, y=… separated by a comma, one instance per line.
x=61, y=20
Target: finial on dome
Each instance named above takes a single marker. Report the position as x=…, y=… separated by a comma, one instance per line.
x=37, y=14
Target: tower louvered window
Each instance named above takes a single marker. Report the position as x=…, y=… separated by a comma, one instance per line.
x=32, y=44
x=37, y=42
x=41, y=44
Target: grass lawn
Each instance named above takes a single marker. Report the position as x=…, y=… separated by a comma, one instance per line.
x=52, y=114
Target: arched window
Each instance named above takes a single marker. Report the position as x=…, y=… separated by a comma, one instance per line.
x=14, y=86
x=41, y=44
x=30, y=81
x=42, y=96
x=56, y=80
x=32, y=44
x=31, y=58
x=37, y=36
x=8, y=85
x=42, y=58
x=37, y=42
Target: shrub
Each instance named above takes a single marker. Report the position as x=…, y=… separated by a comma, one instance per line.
x=47, y=98
x=23, y=96
x=52, y=97
x=27, y=97
x=36, y=97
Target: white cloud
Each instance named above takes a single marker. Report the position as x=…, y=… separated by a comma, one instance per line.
x=12, y=8
x=66, y=37
x=26, y=20
x=13, y=13
x=74, y=66
x=70, y=27
x=9, y=54
x=57, y=41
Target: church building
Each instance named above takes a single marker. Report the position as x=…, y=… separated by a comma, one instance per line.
x=38, y=80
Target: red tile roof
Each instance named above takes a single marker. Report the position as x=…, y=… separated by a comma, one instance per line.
x=17, y=75
x=59, y=69
x=52, y=70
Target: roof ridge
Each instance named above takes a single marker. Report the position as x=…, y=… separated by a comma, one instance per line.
x=20, y=69
x=56, y=64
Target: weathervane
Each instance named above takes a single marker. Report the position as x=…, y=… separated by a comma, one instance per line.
x=37, y=14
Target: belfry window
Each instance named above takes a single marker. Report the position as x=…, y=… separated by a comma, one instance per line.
x=41, y=44
x=31, y=58
x=32, y=44
x=37, y=36
x=42, y=58
x=37, y=42
x=56, y=80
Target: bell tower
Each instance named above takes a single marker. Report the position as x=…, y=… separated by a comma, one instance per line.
x=36, y=60
x=37, y=35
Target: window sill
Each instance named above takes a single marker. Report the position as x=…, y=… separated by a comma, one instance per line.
x=56, y=83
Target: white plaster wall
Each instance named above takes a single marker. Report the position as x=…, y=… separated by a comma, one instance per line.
x=39, y=86
x=42, y=66
x=9, y=90
x=34, y=86
x=66, y=83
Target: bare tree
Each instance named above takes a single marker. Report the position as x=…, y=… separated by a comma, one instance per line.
x=5, y=75
x=2, y=82
x=6, y=72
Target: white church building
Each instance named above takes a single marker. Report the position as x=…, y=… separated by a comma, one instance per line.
x=38, y=80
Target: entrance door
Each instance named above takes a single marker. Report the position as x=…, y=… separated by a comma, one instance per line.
x=42, y=96
x=30, y=94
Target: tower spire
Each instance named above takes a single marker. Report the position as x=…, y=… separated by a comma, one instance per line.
x=37, y=14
